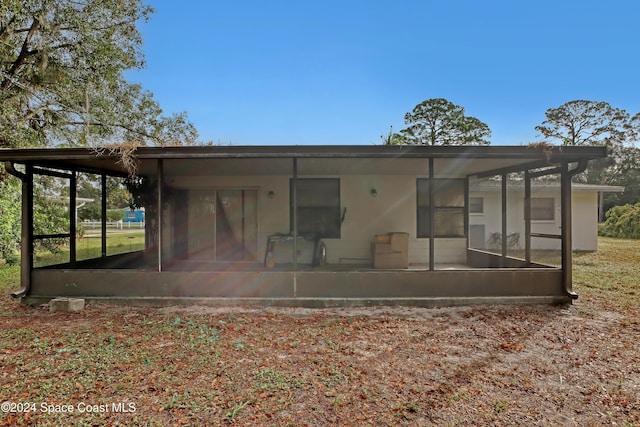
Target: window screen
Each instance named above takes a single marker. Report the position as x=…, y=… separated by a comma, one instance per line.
x=542, y=209
x=318, y=203
x=448, y=208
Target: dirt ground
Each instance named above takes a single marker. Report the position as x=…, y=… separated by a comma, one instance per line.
x=541, y=365
x=488, y=365
x=575, y=365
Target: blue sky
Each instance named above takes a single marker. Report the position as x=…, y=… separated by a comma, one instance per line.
x=342, y=72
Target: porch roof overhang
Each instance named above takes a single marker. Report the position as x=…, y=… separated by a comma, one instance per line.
x=454, y=161
x=495, y=186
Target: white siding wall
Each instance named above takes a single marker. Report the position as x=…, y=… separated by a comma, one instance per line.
x=584, y=218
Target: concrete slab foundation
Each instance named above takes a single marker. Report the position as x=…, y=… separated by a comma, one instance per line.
x=66, y=304
x=315, y=302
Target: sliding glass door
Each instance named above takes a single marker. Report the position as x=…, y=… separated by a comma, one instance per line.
x=223, y=225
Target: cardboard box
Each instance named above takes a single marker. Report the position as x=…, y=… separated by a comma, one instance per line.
x=382, y=238
x=390, y=261
x=391, y=250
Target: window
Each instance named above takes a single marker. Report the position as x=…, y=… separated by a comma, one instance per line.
x=318, y=203
x=476, y=205
x=448, y=208
x=542, y=209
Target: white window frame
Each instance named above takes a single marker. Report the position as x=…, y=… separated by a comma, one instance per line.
x=481, y=212
x=534, y=208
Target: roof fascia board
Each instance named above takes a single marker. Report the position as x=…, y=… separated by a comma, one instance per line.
x=533, y=157
x=325, y=151
x=65, y=165
x=358, y=151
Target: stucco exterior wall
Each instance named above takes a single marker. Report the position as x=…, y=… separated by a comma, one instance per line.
x=392, y=209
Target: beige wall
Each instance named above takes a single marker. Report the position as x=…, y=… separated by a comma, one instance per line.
x=273, y=213
x=393, y=209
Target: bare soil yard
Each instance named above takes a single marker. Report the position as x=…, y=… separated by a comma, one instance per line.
x=483, y=365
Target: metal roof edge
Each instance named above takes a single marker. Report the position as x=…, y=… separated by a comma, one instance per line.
x=554, y=153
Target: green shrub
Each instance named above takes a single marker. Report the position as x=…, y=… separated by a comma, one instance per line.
x=622, y=221
x=115, y=214
x=10, y=216
x=12, y=258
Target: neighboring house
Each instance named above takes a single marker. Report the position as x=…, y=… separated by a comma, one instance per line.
x=133, y=215
x=485, y=214
x=301, y=225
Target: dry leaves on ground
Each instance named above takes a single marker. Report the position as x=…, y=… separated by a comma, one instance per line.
x=493, y=365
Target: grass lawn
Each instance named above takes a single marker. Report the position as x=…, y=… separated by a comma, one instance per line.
x=90, y=246
x=483, y=365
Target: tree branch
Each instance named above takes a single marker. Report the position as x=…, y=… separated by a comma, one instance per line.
x=61, y=46
x=4, y=30
x=23, y=54
x=118, y=125
x=31, y=114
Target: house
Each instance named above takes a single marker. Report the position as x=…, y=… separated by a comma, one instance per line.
x=485, y=213
x=133, y=215
x=304, y=225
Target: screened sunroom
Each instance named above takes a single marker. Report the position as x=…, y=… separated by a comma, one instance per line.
x=309, y=225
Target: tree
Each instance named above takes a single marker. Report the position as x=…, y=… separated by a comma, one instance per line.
x=586, y=123
x=61, y=76
x=392, y=138
x=10, y=220
x=623, y=171
x=90, y=186
x=623, y=221
x=593, y=123
x=440, y=122
x=62, y=65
